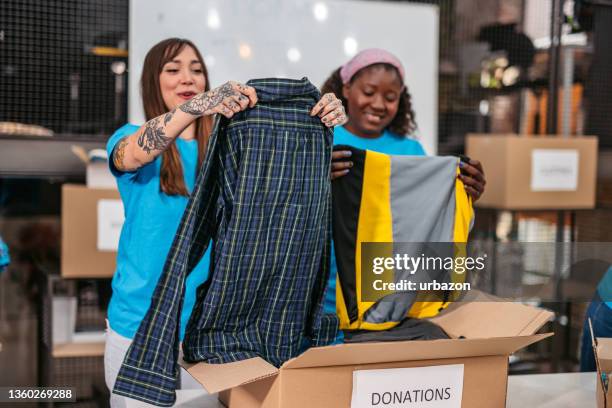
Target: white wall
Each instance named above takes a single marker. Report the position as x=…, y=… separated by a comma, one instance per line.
x=266, y=30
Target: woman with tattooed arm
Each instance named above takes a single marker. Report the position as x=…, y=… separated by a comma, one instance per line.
x=155, y=166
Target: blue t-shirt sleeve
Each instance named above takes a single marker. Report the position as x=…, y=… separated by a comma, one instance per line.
x=120, y=134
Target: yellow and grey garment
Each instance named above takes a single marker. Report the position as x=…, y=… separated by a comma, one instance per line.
x=393, y=199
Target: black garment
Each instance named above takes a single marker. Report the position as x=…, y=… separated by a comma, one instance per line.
x=408, y=329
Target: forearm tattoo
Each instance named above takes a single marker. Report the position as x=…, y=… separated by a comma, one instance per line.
x=154, y=135
x=119, y=154
x=199, y=104
x=168, y=116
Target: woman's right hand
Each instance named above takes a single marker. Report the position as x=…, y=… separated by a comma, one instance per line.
x=227, y=99
x=339, y=165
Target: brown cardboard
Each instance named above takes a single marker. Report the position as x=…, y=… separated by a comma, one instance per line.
x=485, y=383
x=604, y=353
x=322, y=377
x=519, y=319
x=225, y=376
x=506, y=160
x=603, y=356
x=80, y=256
x=78, y=350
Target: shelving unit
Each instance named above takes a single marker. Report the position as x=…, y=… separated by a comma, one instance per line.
x=47, y=156
x=77, y=364
x=78, y=350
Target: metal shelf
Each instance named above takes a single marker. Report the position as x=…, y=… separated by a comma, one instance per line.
x=43, y=156
x=78, y=350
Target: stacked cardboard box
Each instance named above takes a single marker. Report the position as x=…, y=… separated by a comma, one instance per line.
x=536, y=172
x=85, y=253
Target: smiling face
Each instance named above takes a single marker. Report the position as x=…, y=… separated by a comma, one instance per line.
x=373, y=97
x=181, y=78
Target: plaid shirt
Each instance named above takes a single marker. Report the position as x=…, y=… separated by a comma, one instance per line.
x=263, y=193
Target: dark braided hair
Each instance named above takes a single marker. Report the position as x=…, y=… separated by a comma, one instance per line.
x=403, y=123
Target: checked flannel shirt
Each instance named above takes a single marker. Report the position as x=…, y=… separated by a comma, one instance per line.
x=263, y=195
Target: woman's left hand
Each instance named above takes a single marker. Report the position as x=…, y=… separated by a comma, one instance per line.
x=330, y=110
x=473, y=178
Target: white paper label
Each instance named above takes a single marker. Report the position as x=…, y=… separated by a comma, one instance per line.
x=110, y=221
x=423, y=387
x=554, y=170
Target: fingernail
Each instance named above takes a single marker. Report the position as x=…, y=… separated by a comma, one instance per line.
x=348, y=153
x=350, y=164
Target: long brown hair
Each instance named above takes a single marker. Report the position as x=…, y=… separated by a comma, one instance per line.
x=171, y=178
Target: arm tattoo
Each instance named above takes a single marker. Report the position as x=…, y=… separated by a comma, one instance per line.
x=154, y=136
x=168, y=116
x=206, y=101
x=119, y=154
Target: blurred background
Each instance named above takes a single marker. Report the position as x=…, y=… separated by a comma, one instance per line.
x=69, y=74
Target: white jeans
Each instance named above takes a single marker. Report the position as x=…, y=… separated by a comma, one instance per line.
x=114, y=353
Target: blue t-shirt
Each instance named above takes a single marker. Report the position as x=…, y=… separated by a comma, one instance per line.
x=388, y=143
x=604, y=288
x=151, y=220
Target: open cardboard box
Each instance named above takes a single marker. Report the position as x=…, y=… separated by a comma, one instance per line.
x=322, y=377
x=602, y=347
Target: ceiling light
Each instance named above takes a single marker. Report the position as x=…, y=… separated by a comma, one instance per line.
x=350, y=46
x=294, y=55
x=320, y=11
x=244, y=50
x=118, y=67
x=213, y=21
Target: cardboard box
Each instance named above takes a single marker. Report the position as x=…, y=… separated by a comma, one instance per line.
x=324, y=377
x=603, y=356
x=536, y=172
x=89, y=235
x=602, y=350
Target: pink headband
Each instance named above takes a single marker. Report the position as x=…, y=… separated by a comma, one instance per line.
x=366, y=58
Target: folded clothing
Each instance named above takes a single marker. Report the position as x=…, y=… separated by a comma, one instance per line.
x=408, y=329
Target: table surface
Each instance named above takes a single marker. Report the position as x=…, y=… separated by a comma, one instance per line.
x=566, y=390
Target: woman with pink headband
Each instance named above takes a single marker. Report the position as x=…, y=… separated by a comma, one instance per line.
x=380, y=118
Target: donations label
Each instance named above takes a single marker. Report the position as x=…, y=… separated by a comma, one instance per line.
x=554, y=169
x=423, y=387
